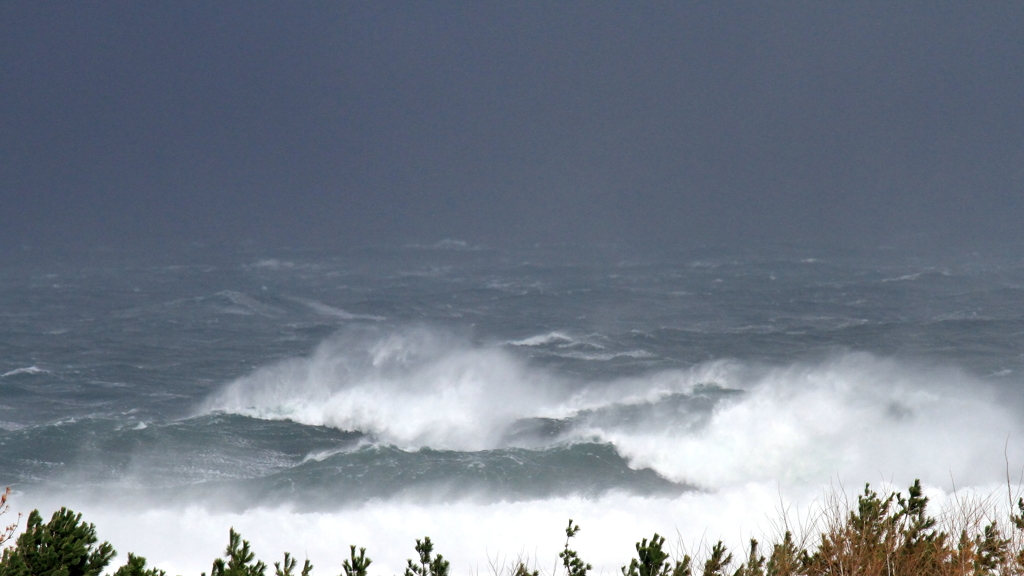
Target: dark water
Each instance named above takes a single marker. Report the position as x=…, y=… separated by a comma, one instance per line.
x=451, y=372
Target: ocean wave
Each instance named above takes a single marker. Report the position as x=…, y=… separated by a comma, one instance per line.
x=447, y=244
x=544, y=339
x=606, y=356
x=558, y=341
x=273, y=264
x=717, y=424
x=412, y=388
x=28, y=370
x=328, y=310
x=855, y=415
x=251, y=304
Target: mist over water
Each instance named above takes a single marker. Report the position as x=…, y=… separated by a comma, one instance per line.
x=484, y=397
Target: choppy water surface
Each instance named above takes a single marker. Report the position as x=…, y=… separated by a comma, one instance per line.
x=334, y=398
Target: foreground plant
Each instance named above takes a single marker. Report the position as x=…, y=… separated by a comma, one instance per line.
x=64, y=546
x=240, y=559
x=357, y=564
x=652, y=560
x=571, y=561
x=891, y=535
x=136, y=566
x=288, y=567
x=8, y=531
x=428, y=565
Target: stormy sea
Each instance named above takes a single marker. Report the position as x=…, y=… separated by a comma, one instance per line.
x=483, y=396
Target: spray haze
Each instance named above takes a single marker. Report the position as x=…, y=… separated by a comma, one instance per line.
x=354, y=273
x=480, y=395
x=714, y=425
x=413, y=387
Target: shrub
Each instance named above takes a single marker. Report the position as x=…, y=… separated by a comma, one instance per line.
x=64, y=546
x=571, y=561
x=890, y=535
x=428, y=566
x=239, y=559
x=136, y=566
x=357, y=564
x=289, y=566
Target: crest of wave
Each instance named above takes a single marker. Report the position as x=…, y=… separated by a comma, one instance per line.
x=414, y=387
x=855, y=415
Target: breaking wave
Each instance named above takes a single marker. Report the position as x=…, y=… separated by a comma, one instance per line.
x=715, y=424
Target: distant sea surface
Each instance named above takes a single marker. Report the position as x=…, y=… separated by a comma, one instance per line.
x=322, y=399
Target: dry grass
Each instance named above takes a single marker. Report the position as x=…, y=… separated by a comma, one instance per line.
x=7, y=532
x=891, y=534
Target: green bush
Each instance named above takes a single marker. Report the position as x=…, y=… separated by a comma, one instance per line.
x=890, y=535
x=239, y=559
x=136, y=566
x=64, y=546
x=574, y=566
x=428, y=565
x=357, y=564
x=288, y=568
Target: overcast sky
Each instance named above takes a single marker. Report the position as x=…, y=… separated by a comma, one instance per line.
x=332, y=124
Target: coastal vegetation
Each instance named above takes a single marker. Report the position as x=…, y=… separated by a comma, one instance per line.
x=890, y=534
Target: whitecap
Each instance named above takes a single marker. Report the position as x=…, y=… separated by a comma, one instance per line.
x=26, y=370
x=328, y=310
x=252, y=304
x=543, y=339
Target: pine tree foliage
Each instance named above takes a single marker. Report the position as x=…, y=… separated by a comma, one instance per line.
x=718, y=561
x=651, y=560
x=571, y=561
x=357, y=564
x=882, y=535
x=754, y=565
x=288, y=566
x=136, y=566
x=683, y=567
x=64, y=546
x=522, y=570
x=787, y=558
x=428, y=565
x=240, y=559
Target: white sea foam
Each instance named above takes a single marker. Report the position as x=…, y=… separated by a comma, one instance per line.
x=411, y=388
x=904, y=278
x=605, y=356
x=850, y=419
x=328, y=310
x=856, y=415
x=26, y=370
x=185, y=539
x=273, y=264
x=544, y=339
x=447, y=244
x=852, y=414
x=252, y=304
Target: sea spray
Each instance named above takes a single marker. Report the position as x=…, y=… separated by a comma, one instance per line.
x=484, y=397
x=413, y=387
x=715, y=424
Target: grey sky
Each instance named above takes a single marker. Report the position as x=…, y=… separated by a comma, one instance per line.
x=330, y=124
